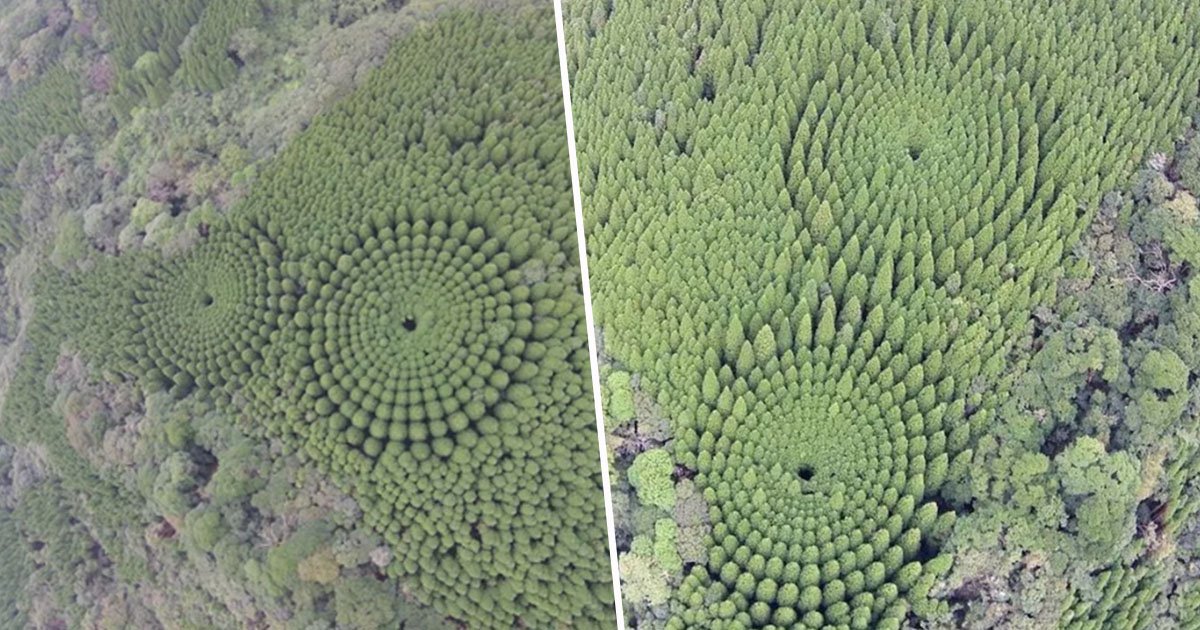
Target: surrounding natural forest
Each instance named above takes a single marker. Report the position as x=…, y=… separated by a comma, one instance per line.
x=291, y=332
x=896, y=309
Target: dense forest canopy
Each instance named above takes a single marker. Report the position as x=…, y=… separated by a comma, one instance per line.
x=305, y=333
x=819, y=233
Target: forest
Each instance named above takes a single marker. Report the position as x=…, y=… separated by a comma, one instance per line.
x=292, y=330
x=895, y=309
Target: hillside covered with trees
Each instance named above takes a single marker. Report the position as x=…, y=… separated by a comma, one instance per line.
x=292, y=327
x=895, y=301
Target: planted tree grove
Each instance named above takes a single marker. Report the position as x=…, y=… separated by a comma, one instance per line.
x=818, y=232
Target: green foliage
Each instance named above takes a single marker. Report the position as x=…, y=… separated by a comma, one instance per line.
x=619, y=399
x=691, y=516
x=650, y=475
x=1187, y=164
x=145, y=211
x=238, y=473
x=146, y=38
x=363, y=603
x=1119, y=601
x=205, y=60
x=10, y=215
x=643, y=580
x=665, y=537
x=70, y=244
x=901, y=183
x=58, y=544
x=1161, y=380
x=283, y=562
x=1093, y=518
x=50, y=106
x=320, y=567
x=351, y=10
x=175, y=484
x=1103, y=488
x=396, y=298
x=1066, y=358
x=14, y=573
x=204, y=528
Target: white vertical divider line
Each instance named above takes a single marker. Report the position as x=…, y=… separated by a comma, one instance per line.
x=589, y=317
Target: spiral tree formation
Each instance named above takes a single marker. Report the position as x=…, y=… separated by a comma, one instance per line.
x=399, y=296
x=818, y=228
